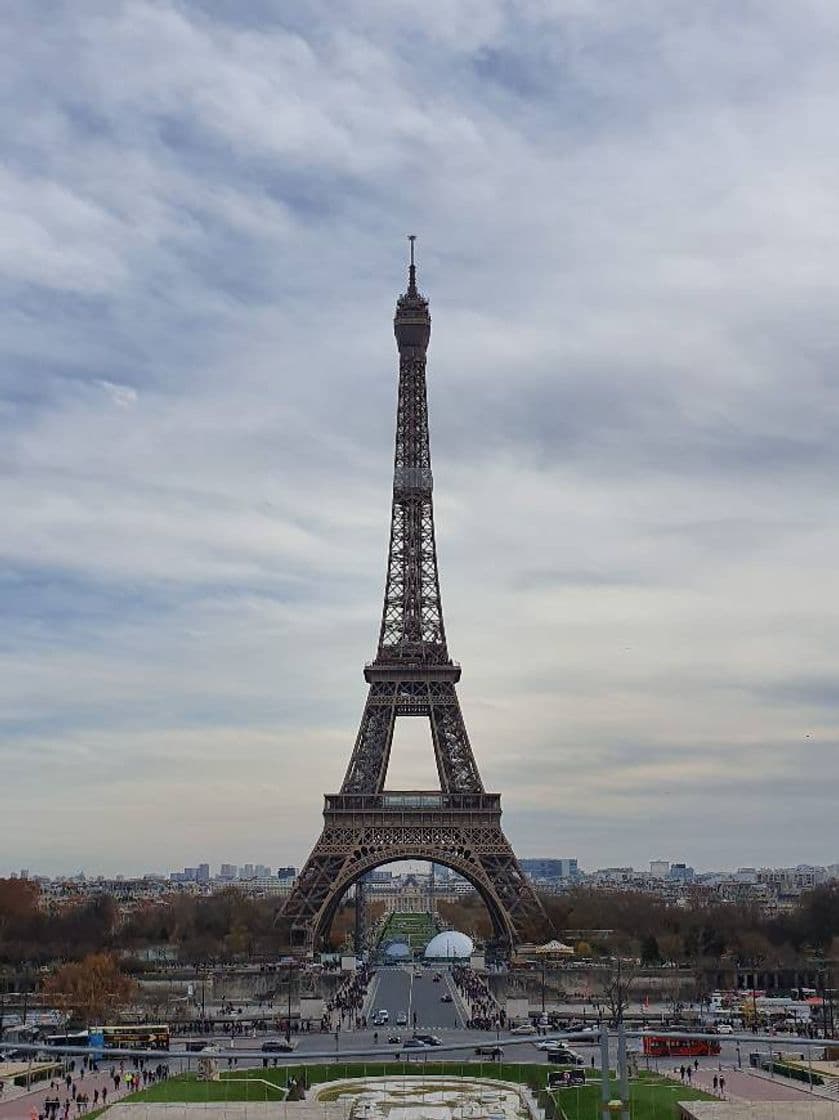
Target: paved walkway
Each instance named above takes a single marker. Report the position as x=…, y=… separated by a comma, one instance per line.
x=741, y=1085
x=23, y=1105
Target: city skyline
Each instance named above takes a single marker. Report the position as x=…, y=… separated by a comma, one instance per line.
x=398, y=866
x=626, y=231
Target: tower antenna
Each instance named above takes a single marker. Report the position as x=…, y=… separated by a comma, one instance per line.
x=412, y=272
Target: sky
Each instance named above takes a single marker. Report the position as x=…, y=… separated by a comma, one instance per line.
x=628, y=227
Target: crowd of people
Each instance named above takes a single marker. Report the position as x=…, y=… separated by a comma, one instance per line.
x=484, y=1011
x=83, y=1091
x=344, y=1010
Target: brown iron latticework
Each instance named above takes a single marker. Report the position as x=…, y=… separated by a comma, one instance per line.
x=460, y=824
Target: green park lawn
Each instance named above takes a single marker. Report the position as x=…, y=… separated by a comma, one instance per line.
x=651, y=1098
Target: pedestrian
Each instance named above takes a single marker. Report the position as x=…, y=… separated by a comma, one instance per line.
x=722, y=1086
x=104, y=1094
x=716, y=1083
x=682, y=1072
x=690, y=1072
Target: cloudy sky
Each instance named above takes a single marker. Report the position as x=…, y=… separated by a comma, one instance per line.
x=629, y=230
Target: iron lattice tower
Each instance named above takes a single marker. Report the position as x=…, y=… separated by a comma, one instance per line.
x=412, y=675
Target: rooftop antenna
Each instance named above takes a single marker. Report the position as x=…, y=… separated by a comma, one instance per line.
x=412, y=272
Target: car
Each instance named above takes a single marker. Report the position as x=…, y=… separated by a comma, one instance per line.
x=410, y=1044
x=524, y=1028
x=725, y=1028
x=277, y=1046
x=401, y=1019
x=429, y=1039
x=495, y=1052
x=436, y=978
x=446, y=997
x=565, y=1057
x=550, y=1044
x=395, y=1038
x=381, y=1017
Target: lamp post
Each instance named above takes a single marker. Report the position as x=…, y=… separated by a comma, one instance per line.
x=290, y=964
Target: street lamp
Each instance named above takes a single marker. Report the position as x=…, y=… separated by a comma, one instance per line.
x=289, y=963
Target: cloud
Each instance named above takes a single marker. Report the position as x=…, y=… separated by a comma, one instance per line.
x=628, y=232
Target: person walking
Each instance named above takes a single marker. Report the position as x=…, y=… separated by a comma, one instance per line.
x=722, y=1086
x=716, y=1084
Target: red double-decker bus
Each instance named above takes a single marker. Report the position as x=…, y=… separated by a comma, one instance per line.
x=660, y=1046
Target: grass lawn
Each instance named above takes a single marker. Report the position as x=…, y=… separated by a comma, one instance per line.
x=249, y=1084
x=651, y=1098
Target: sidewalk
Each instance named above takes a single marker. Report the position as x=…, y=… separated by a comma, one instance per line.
x=744, y=1086
x=25, y=1101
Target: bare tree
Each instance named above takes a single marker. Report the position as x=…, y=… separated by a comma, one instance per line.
x=618, y=976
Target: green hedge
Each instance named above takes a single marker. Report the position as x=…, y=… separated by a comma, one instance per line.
x=795, y=1073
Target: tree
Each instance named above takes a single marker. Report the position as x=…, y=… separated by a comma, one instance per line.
x=617, y=980
x=671, y=948
x=650, y=953
x=91, y=989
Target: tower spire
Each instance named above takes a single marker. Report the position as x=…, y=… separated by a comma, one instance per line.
x=412, y=271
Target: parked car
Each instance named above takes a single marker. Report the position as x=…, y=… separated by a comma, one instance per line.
x=524, y=1028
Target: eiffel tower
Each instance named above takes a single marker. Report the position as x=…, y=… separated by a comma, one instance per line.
x=458, y=825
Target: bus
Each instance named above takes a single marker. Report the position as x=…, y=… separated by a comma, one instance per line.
x=134, y=1037
x=72, y=1038
x=660, y=1046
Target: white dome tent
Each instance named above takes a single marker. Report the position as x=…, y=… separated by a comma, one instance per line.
x=449, y=945
x=398, y=951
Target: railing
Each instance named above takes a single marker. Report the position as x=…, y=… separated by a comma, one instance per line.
x=412, y=801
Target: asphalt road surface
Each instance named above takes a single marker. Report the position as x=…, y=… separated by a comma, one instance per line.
x=418, y=998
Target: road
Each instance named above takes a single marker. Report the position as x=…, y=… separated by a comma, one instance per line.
x=418, y=998
x=399, y=990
